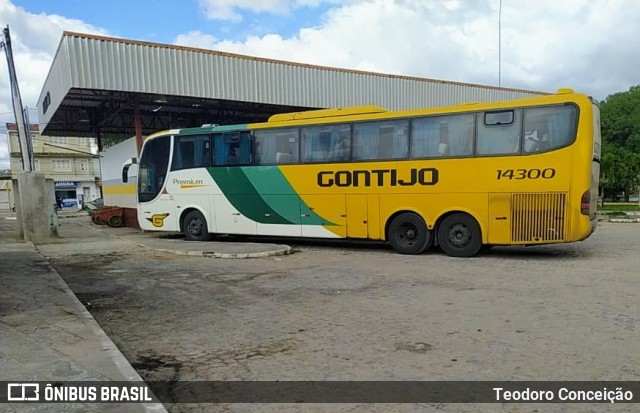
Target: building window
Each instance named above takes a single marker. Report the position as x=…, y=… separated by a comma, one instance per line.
x=61, y=165
x=84, y=165
x=36, y=164
x=60, y=140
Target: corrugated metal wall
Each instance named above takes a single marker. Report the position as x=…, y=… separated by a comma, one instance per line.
x=57, y=84
x=115, y=64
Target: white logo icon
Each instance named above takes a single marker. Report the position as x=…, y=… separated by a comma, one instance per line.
x=17, y=392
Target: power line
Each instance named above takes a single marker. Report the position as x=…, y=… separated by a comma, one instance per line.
x=48, y=141
x=45, y=140
x=69, y=149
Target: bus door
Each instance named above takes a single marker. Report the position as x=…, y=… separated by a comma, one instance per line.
x=155, y=203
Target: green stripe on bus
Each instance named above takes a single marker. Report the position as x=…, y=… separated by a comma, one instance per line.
x=258, y=191
x=244, y=197
x=280, y=195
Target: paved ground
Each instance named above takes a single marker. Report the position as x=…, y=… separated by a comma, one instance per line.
x=358, y=311
x=47, y=335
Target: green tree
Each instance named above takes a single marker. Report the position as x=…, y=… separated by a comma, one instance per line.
x=620, y=171
x=620, y=124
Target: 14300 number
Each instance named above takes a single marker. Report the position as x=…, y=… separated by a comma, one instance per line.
x=547, y=173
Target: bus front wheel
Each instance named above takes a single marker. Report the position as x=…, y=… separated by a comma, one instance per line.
x=195, y=227
x=408, y=234
x=459, y=235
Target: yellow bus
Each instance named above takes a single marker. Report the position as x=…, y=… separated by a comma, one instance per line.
x=521, y=172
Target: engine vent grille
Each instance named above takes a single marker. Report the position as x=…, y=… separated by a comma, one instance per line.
x=538, y=218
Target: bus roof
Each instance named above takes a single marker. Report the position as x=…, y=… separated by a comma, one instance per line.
x=326, y=113
x=362, y=113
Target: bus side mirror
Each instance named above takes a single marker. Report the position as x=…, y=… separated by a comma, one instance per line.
x=125, y=169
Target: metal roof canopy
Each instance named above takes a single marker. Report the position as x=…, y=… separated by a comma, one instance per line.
x=96, y=84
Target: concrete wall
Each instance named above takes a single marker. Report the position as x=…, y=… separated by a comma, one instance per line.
x=35, y=200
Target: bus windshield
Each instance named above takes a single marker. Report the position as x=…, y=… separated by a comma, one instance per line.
x=153, y=168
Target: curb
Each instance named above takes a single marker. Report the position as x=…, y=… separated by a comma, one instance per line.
x=625, y=220
x=277, y=251
x=122, y=364
x=286, y=250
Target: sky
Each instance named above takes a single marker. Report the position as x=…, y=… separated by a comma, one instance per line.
x=590, y=46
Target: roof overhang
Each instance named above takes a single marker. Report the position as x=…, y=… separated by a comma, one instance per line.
x=96, y=85
x=98, y=113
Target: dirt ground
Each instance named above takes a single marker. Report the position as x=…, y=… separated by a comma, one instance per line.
x=358, y=311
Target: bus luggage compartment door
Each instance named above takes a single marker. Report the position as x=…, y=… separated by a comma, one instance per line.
x=499, y=218
x=357, y=226
x=323, y=216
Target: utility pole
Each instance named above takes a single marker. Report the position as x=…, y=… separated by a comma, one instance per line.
x=500, y=45
x=25, y=144
x=29, y=138
x=33, y=193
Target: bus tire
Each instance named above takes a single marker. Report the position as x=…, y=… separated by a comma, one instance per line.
x=195, y=227
x=408, y=234
x=459, y=235
x=115, y=221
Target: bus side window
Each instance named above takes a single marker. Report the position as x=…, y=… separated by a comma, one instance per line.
x=326, y=143
x=499, y=132
x=548, y=128
x=191, y=151
x=425, y=138
x=381, y=140
x=276, y=146
x=450, y=135
x=232, y=148
x=535, y=140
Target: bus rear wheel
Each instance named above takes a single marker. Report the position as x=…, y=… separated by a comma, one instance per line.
x=459, y=235
x=195, y=227
x=408, y=234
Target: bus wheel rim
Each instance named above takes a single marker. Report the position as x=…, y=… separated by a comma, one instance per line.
x=407, y=234
x=195, y=227
x=460, y=235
